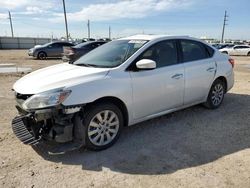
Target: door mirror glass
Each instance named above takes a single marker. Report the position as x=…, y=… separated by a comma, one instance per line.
x=146, y=64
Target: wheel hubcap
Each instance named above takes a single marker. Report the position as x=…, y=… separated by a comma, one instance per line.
x=217, y=94
x=42, y=56
x=103, y=128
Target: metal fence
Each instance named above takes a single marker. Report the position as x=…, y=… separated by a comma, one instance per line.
x=21, y=42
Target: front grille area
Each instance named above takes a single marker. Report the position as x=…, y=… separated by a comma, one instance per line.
x=21, y=131
x=22, y=96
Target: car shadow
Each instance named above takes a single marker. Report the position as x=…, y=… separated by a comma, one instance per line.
x=184, y=139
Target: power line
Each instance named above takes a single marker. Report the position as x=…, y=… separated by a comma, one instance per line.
x=65, y=18
x=11, y=26
x=224, y=25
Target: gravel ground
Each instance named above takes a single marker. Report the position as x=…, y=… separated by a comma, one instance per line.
x=194, y=147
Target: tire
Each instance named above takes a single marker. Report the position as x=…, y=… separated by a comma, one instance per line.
x=42, y=56
x=224, y=52
x=248, y=54
x=216, y=94
x=103, y=124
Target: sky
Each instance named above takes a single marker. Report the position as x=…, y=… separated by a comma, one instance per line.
x=197, y=18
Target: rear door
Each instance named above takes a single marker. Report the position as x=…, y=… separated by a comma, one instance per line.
x=236, y=50
x=160, y=89
x=244, y=50
x=199, y=67
x=54, y=49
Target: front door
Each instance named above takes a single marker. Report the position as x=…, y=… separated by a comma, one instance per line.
x=160, y=89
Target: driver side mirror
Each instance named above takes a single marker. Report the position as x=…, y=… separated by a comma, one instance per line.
x=146, y=64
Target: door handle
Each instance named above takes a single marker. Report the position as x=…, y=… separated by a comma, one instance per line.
x=177, y=76
x=211, y=69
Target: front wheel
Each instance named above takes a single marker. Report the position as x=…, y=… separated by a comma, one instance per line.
x=216, y=94
x=248, y=54
x=103, y=124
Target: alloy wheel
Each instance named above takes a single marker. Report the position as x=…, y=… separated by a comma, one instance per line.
x=103, y=128
x=217, y=94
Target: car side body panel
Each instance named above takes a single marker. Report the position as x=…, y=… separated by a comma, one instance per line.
x=157, y=90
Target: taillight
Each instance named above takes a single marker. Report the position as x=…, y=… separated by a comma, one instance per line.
x=71, y=51
x=68, y=50
x=231, y=61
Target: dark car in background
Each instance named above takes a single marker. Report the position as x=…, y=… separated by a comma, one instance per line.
x=73, y=53
x=52, y=49
x=221, y=46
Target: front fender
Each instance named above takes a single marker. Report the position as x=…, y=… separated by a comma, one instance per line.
x=115, y=84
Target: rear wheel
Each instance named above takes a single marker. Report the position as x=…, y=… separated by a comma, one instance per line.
x=248, y=54
x=42, y=55
x=103, y=124
x=216, y=94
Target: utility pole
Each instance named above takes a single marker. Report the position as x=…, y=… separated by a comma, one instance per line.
x=224, y=25
x=109, y=32
x=11, y=27
x=65, y=18
x=88, y=24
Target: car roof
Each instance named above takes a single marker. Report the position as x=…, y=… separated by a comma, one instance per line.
x=153, y=37
x=61, y=42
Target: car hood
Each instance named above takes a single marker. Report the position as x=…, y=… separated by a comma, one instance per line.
x=57, y=76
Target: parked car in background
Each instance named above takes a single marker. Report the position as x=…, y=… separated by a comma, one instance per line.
x=52, y=49
x=72, y=53
x=221, y=46
x=118, y=84
x=88, y=39
x=237, y=50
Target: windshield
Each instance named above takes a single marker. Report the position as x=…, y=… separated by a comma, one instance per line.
x=111, y=54
x=47, y=44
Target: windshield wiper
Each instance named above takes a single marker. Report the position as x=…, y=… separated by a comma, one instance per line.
x=84, y=65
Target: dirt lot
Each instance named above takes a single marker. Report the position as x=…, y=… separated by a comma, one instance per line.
x=195, y=147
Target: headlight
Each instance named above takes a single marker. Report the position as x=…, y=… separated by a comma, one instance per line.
x=44, y=100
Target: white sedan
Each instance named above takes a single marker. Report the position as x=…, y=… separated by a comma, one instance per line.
x=119, y=84
x=237, y=50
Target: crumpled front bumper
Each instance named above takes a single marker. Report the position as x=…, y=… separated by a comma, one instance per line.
x=48, y=130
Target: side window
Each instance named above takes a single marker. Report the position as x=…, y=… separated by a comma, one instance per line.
x=241, y=47
x=163, y=53
x=55, y=45
x=193, y=50
x=209, y=50
x=67, y=44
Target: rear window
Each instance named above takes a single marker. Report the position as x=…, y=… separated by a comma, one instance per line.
x=193, y=50
x=210, y=51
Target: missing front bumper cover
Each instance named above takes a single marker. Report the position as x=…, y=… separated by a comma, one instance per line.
x=21, y=131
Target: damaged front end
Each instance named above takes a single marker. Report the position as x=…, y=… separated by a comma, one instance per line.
x=53, y=125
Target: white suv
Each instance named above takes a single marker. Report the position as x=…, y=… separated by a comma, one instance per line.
x=121, y=83
x=237, y=50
